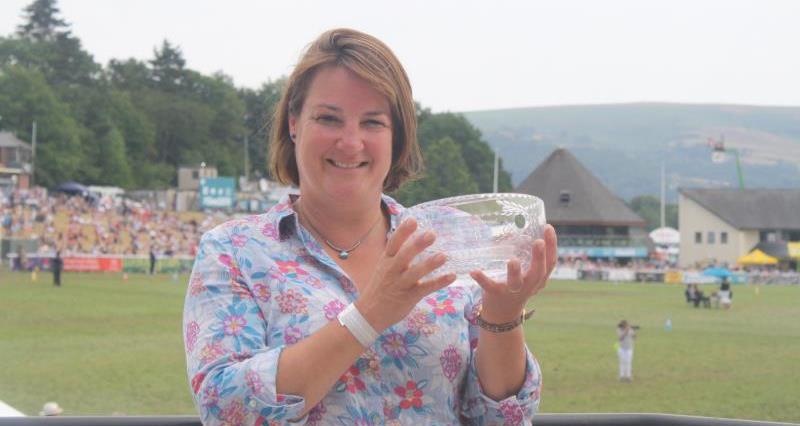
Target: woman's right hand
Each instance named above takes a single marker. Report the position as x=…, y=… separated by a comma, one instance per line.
x=396, y=286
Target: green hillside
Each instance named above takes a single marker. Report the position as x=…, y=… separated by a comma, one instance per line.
x=625, y=144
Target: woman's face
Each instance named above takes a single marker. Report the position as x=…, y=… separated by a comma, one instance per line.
x=343, y=137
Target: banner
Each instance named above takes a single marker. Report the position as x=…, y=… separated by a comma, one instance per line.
x=593, y=274
x=699, y=278
x=92, y=264
x=793, y=249
x=604, y=252
x=673, y=277
x=621, y=275
x=564, y=274
x=217, y=192
x=163, y=266
x=738, y=278
x=650, y=276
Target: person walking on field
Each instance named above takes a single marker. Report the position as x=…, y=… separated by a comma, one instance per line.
x=625, y=335
x=152, y=260
x=58, y=266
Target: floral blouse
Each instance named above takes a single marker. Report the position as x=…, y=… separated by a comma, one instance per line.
x=262, y=283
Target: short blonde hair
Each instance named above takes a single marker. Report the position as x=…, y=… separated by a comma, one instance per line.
x=370, y=59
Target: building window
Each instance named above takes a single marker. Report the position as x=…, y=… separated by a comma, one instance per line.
x=774, y=236
x=564, y=197
x=711, y=237
x=723, y=238
x=698, y=238
x=195, y=174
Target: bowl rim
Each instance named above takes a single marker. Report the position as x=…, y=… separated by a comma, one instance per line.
x=471, y=197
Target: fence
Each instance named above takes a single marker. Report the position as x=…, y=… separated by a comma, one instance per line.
x=672, y=276
x=183, y=264
x=105, y=263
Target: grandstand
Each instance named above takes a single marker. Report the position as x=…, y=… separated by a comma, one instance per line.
x=42, y=223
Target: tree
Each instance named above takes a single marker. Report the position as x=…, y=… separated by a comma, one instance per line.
x=477, y=153
x=46, y=42
x=62, y=61
x=446, y=175
x=26, y=97
x=154, y=116
x=226, y=128
x=181, y=127
x=21, y=52
x=168, y=73
x=260, y=107
x=70, y=65
x=114, y=168
x=43, y=23
x=649, y=208
x=131, y=75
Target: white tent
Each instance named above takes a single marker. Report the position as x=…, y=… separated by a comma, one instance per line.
x=665, y=236
x=107, y=191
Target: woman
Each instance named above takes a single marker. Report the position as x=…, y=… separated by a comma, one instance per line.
x=311, y=313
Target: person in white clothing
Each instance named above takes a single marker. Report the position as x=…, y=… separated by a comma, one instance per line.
x=626, y=334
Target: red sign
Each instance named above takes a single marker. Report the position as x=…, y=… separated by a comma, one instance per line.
x=92, y=264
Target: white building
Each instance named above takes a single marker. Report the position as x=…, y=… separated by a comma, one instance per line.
x=720, y=225
x=15, y=162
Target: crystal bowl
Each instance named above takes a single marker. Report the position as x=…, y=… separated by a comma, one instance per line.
x=480, y=231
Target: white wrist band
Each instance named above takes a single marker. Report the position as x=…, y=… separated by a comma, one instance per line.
x=358, y=325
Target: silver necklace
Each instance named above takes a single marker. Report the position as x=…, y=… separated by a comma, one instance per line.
x=343, y=253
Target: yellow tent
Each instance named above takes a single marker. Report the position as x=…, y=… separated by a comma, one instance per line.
x=757, y=257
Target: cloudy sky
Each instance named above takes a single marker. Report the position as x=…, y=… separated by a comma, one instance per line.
x=470, y=55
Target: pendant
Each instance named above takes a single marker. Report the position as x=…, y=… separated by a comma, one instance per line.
x=343, y=255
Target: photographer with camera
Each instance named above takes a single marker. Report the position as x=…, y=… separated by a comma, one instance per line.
x=626, y=333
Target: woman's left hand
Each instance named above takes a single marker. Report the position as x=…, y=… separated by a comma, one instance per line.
x=504, y=301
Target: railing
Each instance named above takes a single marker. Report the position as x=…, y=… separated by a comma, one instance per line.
x=130, y=263
x=624, y=419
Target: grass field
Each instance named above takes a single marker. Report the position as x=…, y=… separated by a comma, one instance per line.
x=100, y=345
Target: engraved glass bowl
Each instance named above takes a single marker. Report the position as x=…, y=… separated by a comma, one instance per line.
x=480, y=231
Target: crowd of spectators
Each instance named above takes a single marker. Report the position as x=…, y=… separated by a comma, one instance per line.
x=77, y=225
x=586, y=263
x=97, y=226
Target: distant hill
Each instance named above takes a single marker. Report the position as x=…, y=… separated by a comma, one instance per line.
x=624, y=144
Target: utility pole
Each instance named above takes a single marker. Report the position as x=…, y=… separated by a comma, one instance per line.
x=496, y=171
x=663, y=193
x=738, y=166
x=246, y=159
x=33, y=155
